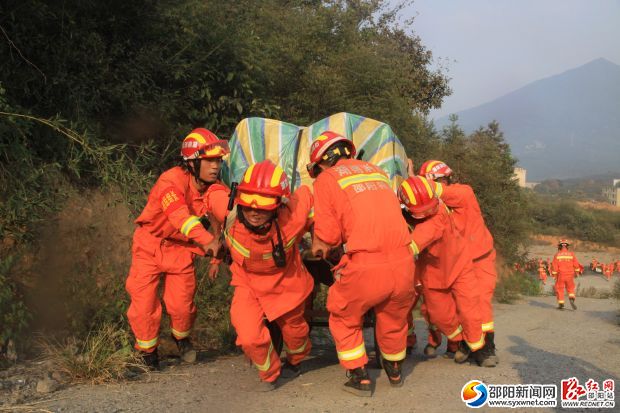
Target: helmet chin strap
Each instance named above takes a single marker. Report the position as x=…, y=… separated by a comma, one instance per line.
x=261, y=229
x=195, y=170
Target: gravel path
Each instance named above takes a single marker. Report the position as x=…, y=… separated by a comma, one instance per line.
x=536, y=344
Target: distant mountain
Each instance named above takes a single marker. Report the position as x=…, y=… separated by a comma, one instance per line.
x=563, y=126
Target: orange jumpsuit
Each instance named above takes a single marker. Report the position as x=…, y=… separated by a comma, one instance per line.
x=564, y=266
x=593, y=264
x=448, y=278
x=468, y=217
x=355, y=205
x=165, y=242
x=434, y=335
x=608, y=270
x=542, y=272
x=263, y=290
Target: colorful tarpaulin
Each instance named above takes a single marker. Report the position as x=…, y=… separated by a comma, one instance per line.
x=257, y=139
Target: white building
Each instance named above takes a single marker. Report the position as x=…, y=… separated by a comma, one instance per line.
x=612, y=192
x=520, y=174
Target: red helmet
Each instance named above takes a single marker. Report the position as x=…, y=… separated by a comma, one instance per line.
x=563, y=241
x=263, y=186
x=418, y=194
x=203, y=144
x=435, y=169
x=318, y=149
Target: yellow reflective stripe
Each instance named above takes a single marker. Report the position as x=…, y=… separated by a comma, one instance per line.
x=311, y=213
x=267, y=364
x=275, y=178
x=411, y=331
x=180, y=334
x=456, y=332
x=286, y=248
x=431, y=165
x=560, y=302
x=395, y=357
x=414, y=248
x=359, y=178
x=438, y=189
x=235, y=244
x=197, y=136
x=488, y=326
x=189, y=223
x=571, y=295
x=405, y=185
x=297, y=350
x=353, y=354
x=428, y=187
x=248, y=174
x=146, y=344
x=477, y=345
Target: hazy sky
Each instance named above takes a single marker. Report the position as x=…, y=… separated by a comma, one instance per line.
x=492, y=47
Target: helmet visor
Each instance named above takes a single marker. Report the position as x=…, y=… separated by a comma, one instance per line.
x=258, y=201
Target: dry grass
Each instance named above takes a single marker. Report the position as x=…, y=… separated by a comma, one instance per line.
x=104, y=356
x=615, y=292
x=592, y=292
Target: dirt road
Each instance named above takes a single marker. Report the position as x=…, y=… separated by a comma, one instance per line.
x=536, y=342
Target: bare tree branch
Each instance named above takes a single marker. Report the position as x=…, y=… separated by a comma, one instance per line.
x=11, y=44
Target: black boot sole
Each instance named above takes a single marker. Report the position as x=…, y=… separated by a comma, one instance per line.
x=356, y=391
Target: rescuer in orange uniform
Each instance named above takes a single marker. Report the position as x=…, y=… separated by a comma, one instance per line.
x=434, y=337
x=608, y=270
x=168, y=236
x=448, y=277
x=593, y=264
x=542, y=272
x=462, y=201
x=564, y=267
x=267, y=272
x=355, y=206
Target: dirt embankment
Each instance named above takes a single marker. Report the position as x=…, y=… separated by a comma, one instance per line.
x=82, y=258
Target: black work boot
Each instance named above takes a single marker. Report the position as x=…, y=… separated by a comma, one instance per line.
x=393, y=369
x=186, y=350
x=359, y=383
x=483, y=356
x=430, y=351
x=151, y=360
x=462, y=352
x=289, y=371
x=560, y=306
x=490, y=338
x=572, y=303
x=451, y=349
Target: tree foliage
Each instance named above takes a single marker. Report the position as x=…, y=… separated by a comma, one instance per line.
x=484, y=161
x=95, y=93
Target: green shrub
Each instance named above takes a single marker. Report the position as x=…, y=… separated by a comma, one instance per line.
x=567, y=218
x=14, y=317
x=512, y=285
